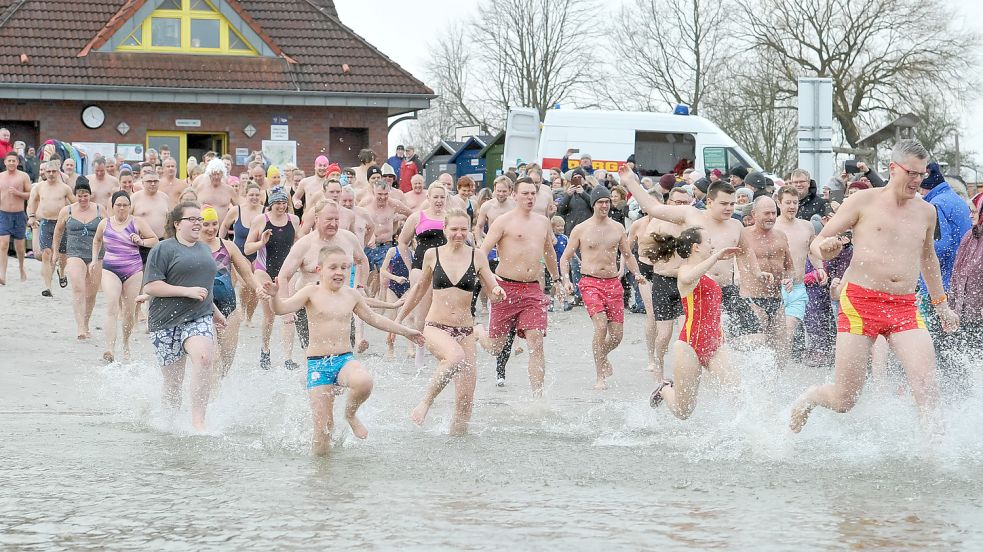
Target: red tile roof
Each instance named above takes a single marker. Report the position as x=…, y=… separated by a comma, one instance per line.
x=60, y=40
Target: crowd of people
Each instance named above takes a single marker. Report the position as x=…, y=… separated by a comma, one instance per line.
x=723, y=261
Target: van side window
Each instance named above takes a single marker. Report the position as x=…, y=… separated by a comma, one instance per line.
x=724, y=159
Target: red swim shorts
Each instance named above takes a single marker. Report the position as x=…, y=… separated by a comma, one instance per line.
x=603, y=295
x=872, y=313
x=524, y=308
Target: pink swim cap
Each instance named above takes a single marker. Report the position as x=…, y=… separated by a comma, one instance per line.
x=321, y=160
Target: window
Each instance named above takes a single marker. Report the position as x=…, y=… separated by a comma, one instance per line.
x=187, y=26
x=724, y=159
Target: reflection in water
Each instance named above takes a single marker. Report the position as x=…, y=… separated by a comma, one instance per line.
x=572, y=471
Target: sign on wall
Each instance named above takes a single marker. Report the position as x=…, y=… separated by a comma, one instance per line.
x=130, y=152
x=280, y=153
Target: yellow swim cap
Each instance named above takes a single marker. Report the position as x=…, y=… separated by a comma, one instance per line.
x=272, y=171
x=209, y=214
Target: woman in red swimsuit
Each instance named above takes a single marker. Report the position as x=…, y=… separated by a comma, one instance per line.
x=701, y=341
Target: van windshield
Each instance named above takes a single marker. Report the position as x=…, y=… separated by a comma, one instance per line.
x=725, y=159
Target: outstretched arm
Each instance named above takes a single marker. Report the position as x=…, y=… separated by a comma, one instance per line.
x=290, y=304
x=380, y=322
x=675, y=214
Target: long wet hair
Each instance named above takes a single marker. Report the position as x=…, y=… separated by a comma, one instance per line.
x=664, y=246
x=175, y=216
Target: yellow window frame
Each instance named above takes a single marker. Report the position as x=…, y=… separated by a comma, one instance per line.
x=185, y=15
x=182, y=155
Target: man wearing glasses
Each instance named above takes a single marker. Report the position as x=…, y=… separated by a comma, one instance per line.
x=810, y=202
x=893, y=235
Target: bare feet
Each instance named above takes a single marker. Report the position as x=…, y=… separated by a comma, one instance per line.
x=390, y=355
x=419, y=413
x=363, y=346
x=601, y=385
x=23, y=275
x=800, y=413
x=198, y=424
x=108, y=356
x=357, y=428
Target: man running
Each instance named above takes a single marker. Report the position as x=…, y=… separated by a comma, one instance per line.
x=313, y=184
x=666, y=303
x=800, y=234
x=102, y=183
x=304, y=255
x=523, y=239
x=47, y=200
x=599, y=241
x=151, y=205
x=15, y=189
x=417, y=195
x=215, y=191
x=170, y=185
x=893, y=235
x=721, y=230
x=770, y=247
x=501, y=203
x=383, y=220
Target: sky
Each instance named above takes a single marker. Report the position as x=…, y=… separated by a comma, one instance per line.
x=421, y=19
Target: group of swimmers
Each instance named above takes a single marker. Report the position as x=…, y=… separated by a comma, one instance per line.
x=329, y=266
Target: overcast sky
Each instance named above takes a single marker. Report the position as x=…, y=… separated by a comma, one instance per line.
x=401, y=30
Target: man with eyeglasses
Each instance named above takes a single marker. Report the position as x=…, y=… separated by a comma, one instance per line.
x=893, y=242
x=810, y=202
x=151, y=205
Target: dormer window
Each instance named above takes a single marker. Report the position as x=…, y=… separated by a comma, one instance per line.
x=188, y=27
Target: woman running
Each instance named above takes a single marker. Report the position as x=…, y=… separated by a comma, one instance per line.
x=428, y=227
x=270, y=236
x=226, y=255
x=179, y=276
x=394, y=275
x=701, y=341
x=122, y=268
x=452, y=272
x=237, y=218
x=79, y=222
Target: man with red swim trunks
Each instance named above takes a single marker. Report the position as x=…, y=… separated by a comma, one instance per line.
x=893, y=235
x=600, y=240
x=523, y=239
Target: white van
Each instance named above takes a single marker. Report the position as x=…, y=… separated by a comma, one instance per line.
x=658, y=140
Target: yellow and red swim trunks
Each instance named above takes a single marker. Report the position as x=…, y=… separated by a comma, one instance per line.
x=872, y=313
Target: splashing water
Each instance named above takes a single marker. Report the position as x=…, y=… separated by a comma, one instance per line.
x=573, y=470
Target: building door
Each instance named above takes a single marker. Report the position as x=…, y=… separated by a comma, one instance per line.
x=345, y=145
x=200, y=144
x=187, y=144
x=176, y=142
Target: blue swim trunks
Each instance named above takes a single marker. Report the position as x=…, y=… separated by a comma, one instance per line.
x=13, y=224
x=324, y=369
x=377, y=254
x=796, y=301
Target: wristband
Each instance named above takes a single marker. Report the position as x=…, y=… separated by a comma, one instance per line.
x=940, y=300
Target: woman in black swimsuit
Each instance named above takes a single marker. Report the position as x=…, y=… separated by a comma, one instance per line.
x=452, y=271
x=271, y=235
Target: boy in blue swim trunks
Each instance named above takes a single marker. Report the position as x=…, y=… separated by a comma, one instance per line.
x=330, y=362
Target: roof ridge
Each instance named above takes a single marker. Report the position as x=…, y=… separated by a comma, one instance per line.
x=11, y=10
x=368, y=44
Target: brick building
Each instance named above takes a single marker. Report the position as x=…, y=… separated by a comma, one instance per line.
x=282, y=76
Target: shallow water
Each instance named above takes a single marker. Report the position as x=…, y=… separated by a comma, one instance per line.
x=91, y=461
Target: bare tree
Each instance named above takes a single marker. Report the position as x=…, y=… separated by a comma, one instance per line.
x=876, y=51
x=537, y=52
x=671, y=50
x=756, y=110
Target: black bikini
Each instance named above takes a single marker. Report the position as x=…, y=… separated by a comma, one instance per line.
x=468, y=282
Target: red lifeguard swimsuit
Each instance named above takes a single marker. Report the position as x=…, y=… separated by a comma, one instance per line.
x=701, y=329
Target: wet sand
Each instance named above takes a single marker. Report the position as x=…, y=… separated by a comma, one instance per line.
x=91, y=461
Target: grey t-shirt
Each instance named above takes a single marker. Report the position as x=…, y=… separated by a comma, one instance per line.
x=179, y=265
